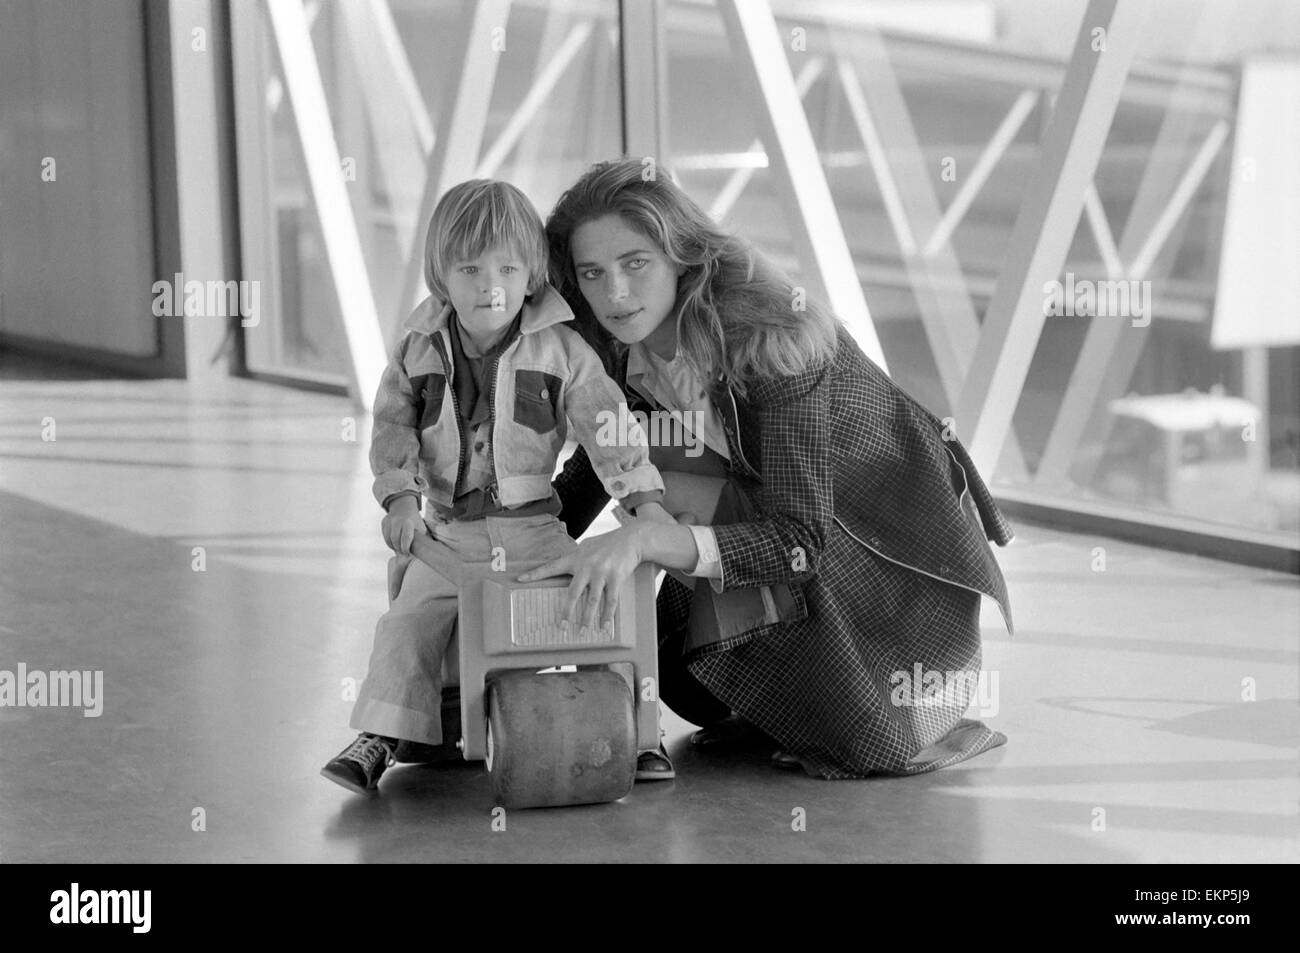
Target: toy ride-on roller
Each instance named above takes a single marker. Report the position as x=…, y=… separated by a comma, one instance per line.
x=549, y=738
x=560, y=738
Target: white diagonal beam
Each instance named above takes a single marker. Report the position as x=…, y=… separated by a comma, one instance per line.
x=876, y=157
x=1183, y=193
x=937, y=282
x=529, y=151
x=543, y=85
x=329, y=200
x=731, y=190
x=399, y=118
x=1100, y=225
x=799, y=176
x=1111, y=349
x=460, y=136
x=981, y=170
x=1048, y=218
x=1103, y=369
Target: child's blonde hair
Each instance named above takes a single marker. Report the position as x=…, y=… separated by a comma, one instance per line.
x=478, y=215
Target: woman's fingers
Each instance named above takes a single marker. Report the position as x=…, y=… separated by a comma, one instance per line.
x=595, y=593
x=577, y=592
x=611, y=604
x=595, y=602
x=556, y=567
x=599, y=567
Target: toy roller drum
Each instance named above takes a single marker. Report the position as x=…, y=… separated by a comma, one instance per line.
x=560, y=738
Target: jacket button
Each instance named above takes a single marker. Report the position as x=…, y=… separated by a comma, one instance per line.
x=617, y=484
x=478, y=447
x=545, y=394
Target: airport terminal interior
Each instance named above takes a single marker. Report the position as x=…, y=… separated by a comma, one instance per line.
x=211, y=231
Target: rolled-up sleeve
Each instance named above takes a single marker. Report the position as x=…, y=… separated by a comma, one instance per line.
x=616, y=446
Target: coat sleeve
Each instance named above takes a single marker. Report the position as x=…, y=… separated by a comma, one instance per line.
x=395, y=436
x=784, y=541
x=617, y=448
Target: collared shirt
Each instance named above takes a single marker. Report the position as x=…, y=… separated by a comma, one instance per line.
x=675, y=386
x=474, y=395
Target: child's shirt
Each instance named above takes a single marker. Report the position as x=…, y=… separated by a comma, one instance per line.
x=497, y=455
x=475, y=494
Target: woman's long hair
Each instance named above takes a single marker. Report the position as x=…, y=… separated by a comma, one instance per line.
x=736, y=312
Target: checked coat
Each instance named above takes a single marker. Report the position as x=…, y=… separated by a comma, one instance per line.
x=893, y=522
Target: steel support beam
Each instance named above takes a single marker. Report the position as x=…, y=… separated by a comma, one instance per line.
x=732, y=189
x=800, y=180
x=556, y=63
x=331, y=207
x=459, y=137
x=1044, y=229
x=398, y=117
x=906, y=183
x=1104, y=369
x=981, y=170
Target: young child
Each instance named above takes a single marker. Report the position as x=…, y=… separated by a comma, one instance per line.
x=471, y=415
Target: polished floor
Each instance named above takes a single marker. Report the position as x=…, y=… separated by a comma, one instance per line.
x=1125, y=693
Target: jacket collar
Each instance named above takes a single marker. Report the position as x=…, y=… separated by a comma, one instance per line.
x=547, y=307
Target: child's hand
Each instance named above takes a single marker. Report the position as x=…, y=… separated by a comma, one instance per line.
x=402, y=523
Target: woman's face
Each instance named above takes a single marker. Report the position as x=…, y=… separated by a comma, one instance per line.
x=630, y=284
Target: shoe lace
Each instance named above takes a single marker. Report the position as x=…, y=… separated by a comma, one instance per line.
x=368, y=749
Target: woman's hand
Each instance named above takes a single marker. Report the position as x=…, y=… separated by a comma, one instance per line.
x=600, y=566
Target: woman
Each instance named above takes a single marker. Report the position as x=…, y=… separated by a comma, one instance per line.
x=852, y=523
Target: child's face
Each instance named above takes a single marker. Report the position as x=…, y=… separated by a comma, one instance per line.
x=487, y=292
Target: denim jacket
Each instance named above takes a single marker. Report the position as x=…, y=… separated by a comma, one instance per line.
x=548, y=378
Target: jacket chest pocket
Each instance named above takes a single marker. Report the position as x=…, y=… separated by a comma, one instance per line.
x=430, y=391
x=537, y=398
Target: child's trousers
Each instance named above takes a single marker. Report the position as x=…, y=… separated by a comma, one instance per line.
x=402, y=694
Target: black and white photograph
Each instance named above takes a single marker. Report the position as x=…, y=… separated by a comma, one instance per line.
x=640, y=432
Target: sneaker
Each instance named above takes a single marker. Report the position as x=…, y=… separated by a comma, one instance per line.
x=360, y=765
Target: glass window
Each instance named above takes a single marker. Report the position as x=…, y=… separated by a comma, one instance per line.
x=1166, y=374
x=540, y=106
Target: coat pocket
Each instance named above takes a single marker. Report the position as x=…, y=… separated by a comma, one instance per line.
x=430, y=391
x=537, y=400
